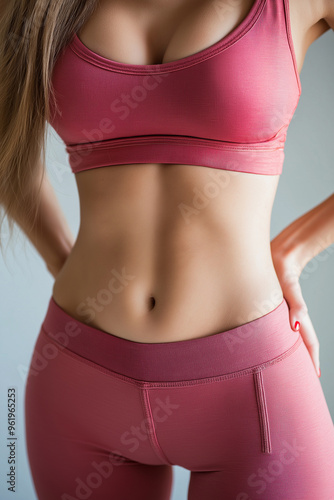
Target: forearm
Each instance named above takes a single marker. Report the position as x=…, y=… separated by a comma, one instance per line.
x=50, y=235
x=308, y=235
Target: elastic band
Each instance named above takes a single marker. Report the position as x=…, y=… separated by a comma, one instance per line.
x=254, y=343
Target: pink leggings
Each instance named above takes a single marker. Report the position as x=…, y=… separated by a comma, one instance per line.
x=243, y=410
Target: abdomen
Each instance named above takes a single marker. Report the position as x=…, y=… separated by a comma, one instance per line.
x=170, y=252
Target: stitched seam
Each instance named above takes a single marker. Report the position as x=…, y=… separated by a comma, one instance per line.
x=232, y=375
x=276, y=171
x=112, y=144
x=287, y=19
x=263, y=412
x=66, y=351
x=228, y=148
x=201, y=56
x=152, y=433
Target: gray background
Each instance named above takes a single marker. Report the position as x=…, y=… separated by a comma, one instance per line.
x=307, y=179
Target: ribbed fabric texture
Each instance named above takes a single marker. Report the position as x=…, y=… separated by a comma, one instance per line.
x=253, y=343
x=227, y=106
x=243, y=410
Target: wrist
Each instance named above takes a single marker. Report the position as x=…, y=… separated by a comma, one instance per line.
x=289, y=253
x=307, y=236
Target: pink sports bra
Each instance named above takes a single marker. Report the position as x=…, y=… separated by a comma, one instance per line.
x=227, y=107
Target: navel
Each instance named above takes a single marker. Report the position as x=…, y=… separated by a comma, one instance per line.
x=151, y=303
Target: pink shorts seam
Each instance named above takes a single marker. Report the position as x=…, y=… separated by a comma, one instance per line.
x=152, y=434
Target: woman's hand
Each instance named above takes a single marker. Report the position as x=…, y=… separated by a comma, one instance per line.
x=288, y=270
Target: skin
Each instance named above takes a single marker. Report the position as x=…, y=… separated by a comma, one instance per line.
x=213, y=274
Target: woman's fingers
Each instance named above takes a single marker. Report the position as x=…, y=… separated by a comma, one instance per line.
x=288, y=270
x=297, y=305
x=311, y=341
x=298, y=313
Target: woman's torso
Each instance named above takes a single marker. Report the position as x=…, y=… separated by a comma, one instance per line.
x=169, y=252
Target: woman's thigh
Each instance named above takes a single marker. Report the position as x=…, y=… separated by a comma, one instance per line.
x=86, y=432
x=242, y=410
x=289, y=455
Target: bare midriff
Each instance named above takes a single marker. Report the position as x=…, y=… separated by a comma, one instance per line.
x=168, y=252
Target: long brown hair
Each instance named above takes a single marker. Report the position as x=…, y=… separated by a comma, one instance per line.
x=32, y=35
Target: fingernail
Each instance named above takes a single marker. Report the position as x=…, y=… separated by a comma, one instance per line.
x=319, y=374
x=297, y=325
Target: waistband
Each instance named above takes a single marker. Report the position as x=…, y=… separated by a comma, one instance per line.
x=264, y=158
x=251, y=346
